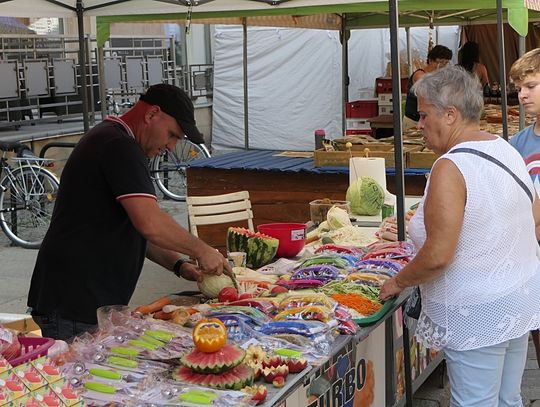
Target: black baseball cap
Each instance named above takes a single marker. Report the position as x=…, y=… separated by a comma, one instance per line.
x=176, y=103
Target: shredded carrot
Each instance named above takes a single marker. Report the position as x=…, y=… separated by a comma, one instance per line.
x=363, y=305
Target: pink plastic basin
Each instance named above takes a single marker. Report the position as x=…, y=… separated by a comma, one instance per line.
x=291, y=236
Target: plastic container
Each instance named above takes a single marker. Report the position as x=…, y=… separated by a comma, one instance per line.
x=292, y=237
x=384, y=85
x=320, y=135
x=320, y=207
x=32, y=348
x=361, y=109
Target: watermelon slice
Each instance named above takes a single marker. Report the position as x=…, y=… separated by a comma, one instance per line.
x=216, y=362
x=260, y=248
x=233, y=379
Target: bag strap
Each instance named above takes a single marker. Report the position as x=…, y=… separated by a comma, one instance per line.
x=497, y=162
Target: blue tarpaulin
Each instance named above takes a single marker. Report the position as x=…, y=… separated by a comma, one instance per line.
x=271, y=161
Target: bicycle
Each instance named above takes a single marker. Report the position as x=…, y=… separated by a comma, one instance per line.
x=27, y=195
x=168, y=170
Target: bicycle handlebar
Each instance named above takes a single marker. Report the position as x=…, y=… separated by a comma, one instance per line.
x=16, y=146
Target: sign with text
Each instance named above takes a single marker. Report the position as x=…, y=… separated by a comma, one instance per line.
x=353, y=377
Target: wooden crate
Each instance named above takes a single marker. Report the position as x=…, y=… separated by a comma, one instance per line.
x=421, y=159
x=324, y=158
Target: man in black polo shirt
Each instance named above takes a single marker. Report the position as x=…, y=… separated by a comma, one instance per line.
x=106, y=218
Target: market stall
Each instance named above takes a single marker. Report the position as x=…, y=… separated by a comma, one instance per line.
x=280, y=186
x=305, y=352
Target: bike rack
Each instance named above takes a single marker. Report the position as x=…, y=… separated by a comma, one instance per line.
x=56, y=144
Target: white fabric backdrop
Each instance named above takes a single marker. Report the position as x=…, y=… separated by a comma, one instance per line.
x=295, y=81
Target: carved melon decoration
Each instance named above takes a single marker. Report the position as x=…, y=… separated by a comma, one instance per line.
x=260, y=248
x=214, y=363
x=209, y=335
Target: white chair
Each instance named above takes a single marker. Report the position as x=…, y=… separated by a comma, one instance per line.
x=215, y=209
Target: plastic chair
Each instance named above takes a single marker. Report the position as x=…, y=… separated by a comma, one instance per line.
x=215, y=209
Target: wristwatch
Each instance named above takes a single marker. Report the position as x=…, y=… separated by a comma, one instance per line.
x=177, y=266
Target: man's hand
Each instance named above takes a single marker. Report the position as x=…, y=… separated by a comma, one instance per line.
x=190, y=272
x=213, y=262
x=390, y=289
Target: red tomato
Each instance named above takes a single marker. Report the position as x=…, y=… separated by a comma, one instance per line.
x=228, y=294
x=245, y=296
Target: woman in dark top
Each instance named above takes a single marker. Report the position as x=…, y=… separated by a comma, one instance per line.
x=469, y=58
x=438, y=57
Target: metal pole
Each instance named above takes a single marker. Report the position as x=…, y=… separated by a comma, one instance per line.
x=344, y=72
x=409, y=52
x=172, y=58
x=244, y=63
x=91, y=79
x=101, y=82
x=502, y=68
x=400, y=184
x=521, y=51
x=82, y=64
x=396, y=105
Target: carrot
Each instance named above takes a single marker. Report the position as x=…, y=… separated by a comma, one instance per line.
x=155, y=306
x=163, y=315
x=358, y=302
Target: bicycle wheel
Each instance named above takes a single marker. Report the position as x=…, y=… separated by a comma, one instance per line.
x=169, y=169
x=27, y=197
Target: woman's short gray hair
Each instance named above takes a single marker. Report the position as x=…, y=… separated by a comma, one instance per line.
x=452, y=86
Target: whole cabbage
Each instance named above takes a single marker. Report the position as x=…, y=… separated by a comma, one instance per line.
x=366, y=196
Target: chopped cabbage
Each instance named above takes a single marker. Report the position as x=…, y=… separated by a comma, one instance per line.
x=337, y=218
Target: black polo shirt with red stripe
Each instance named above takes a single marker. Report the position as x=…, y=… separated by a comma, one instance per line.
x=92, y=255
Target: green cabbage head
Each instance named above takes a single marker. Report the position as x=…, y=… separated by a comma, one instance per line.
x=366, y=196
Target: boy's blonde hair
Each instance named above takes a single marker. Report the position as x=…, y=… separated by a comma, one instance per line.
x=528, y=64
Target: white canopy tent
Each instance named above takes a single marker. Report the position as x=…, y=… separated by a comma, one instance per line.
x=295, y=81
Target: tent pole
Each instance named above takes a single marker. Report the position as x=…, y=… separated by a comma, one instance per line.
x=396, y=106
x=393, y=12
x=82, y=64
x=409, y=52
x=344, y=72
x=502, y=69
x=521, y=51
x=101, y=82
x=244, y=64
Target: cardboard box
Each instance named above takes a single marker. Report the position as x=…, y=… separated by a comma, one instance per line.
x=358, y=124
x=324, y=158
x=22, y=323
x=30, y=376
x=11, y=387
x=387, y=98
x=422, y=159
x=386, y=109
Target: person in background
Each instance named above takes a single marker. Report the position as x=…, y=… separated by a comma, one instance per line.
x=438, y=57
x=477, y=264
x=525, y=75
x=469, y=58
x=107, y=220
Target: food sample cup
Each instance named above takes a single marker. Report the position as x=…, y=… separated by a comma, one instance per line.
x=237, y=259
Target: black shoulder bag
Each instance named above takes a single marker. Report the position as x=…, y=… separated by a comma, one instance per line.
x=414, y=303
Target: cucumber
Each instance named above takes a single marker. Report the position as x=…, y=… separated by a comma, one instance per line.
x=327, y=240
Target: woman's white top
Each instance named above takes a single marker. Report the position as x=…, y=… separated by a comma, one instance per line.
x=490, y=293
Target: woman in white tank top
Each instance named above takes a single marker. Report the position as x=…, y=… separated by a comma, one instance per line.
x=477, y=263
